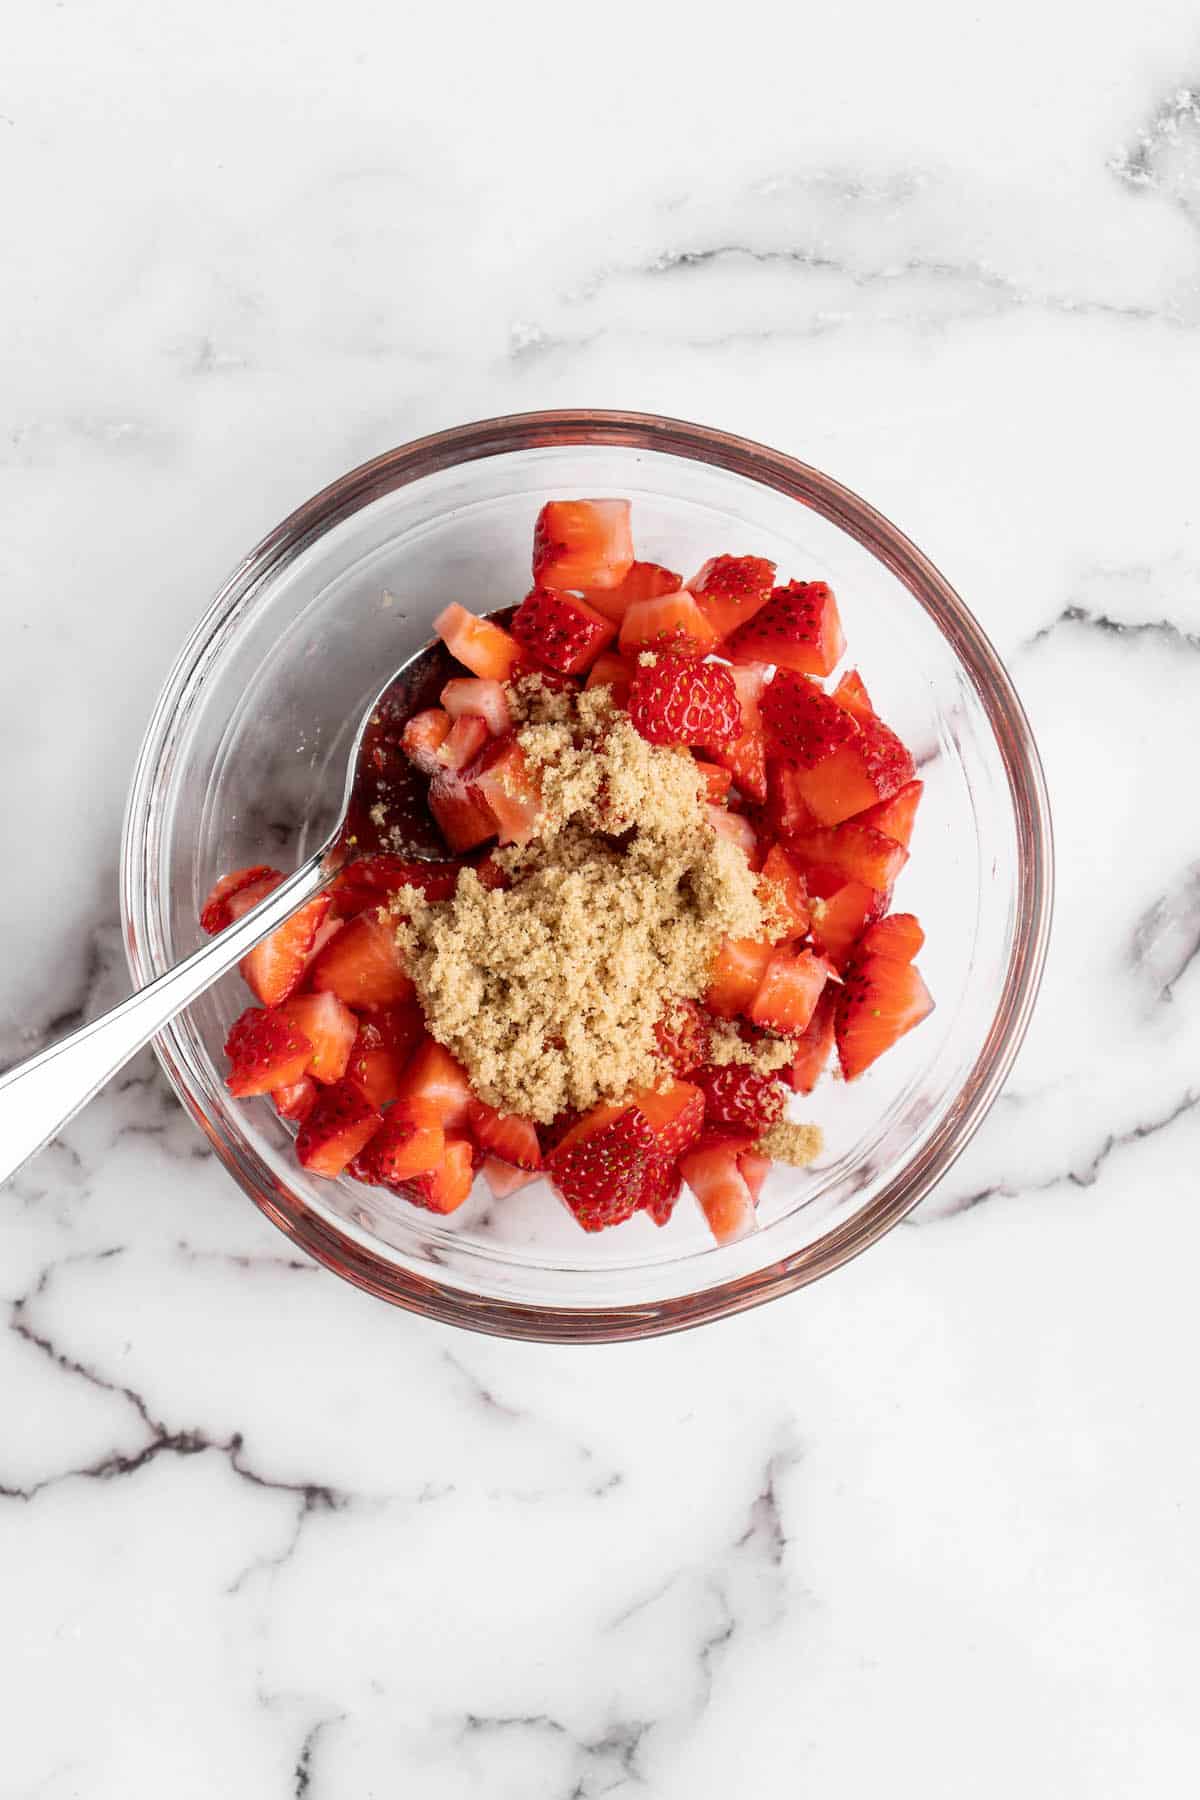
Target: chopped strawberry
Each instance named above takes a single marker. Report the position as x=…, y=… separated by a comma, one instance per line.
x=490, y=874
x=463, y=818
x=297, y=1099
x=386, y=1039
x=855, y=852
x=851, y=692
x=895, y=817
x=423, y=737
x=717, y=782
x=814, y=1044
x=645, y=581
x=561, y=631
x=445, y=1188
x=746, y=756
x=839, y=919
x=274, y=968
x=798, y=628
x=600, y=1165
x=435, y=1082
x=802, y=723
x=786, y=812
x=405, y=1145
x=737, y=971
x=370, y=881
x=672, y=622
x=267, y=1051
x=611, y=670
x=898, y=936
x=330, y=1028
x=503, y=1179
x=711, y=1171
x=754, y=1168
x=364, y=964
x=781, y=889
x=789, y=990
x=239, y=904
x=484, y=648
x=337, y=1128
x=683, y=1035
x=676, y=701
x=506, y=1135
x=737, y=1095
x=871, y=766
x=486, y=700
x=675, y=1116
x=731, y=589
x=661, y=1187
x=734, y=826
x=462, y=743
x=880, y=1000
x=582, y=544
x=509, y=788
x=215, y=914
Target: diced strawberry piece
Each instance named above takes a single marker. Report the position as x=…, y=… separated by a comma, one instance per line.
x=711, y=1171
x=717, y=782
x=611, y=670
x=463, y=818
x=508, y=787
x=737, y=971
x=851, y=692
x=673, y=623
x=386, y=1039
x=898, y=936
x=423, y=737
x=484, y=648
x=677, y=701
x=507, y=1135
x=798, y=628
x=215, y=914
x=337, y=1128
x=404, y=1146
x=435, y=1082
x=856, y=852
x=872, y=766
x=582, y=544
x=330, y=1028
x=781, y=889
x=839, y=919
x=600, y=1164
x=880, y=1000
x=683, y=1035
x=787, y=812
x=802, y=723
x=561, y=631
x=296, y=1100
x=746, y=756
x=675, y=1116
x=266, y=1051
x=491, y=875
x=754, y=1168
x=445, y=1188
x=239, y=904
x=370, y=881
x=503, y=1179
x=789, y=990
x=737, y=1095
x=815, y=1043
x=661, y=1187
x=731, y=589
x=364, y=964
x=462, y=743
x=274, y=968
x=734, y=826
x=896, y=817
x=645, y=581
x=469, y=696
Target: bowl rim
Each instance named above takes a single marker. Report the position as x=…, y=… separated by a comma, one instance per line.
x=635, y=431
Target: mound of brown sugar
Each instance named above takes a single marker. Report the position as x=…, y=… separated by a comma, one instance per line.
x=788, y=1142
x=548, y=992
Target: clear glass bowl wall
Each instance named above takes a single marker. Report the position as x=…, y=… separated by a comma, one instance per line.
x=245, y=759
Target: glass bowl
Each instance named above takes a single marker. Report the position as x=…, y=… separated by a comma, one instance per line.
x=243, y=762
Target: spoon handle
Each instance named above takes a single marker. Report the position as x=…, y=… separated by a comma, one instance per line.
x=38, y=1097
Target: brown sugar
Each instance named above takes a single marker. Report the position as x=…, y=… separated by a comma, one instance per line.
x=767, y=1055
x=549, y=992
x=788, y=1142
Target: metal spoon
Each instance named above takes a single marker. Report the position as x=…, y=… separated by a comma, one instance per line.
x=38, y=1097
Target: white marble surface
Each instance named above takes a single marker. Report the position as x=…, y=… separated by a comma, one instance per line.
x=928, y=1529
